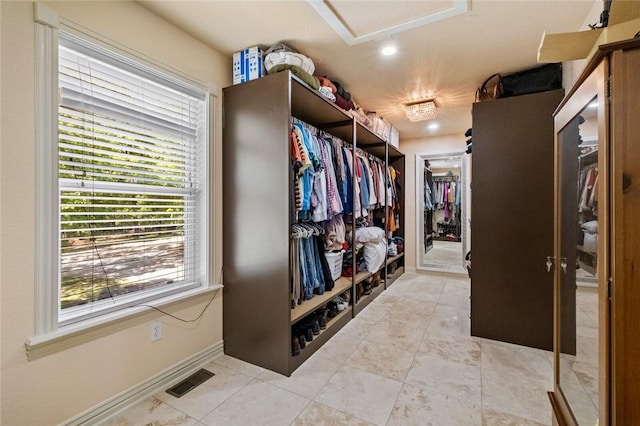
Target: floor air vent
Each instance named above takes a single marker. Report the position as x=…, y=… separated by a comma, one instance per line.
x=190, y=383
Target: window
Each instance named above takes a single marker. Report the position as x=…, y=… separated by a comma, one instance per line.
x=132, y=170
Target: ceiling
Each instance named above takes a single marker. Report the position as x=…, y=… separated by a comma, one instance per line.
x=445, y=48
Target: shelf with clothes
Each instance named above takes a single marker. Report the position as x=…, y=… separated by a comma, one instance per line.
x=375, y=155
x=324, y=199
x=396, y=234
x=323, y=167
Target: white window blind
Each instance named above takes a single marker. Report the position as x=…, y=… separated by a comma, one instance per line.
x=130, y=147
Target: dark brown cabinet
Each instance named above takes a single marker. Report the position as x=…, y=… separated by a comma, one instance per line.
x=512, y=218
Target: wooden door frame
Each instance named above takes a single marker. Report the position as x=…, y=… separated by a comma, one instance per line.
x=593, y=85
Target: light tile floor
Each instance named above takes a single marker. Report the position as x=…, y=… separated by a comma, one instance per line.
x=407, y=359
x=444, y=254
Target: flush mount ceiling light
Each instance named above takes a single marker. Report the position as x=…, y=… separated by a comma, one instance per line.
x=420, y=111
x=389, y=50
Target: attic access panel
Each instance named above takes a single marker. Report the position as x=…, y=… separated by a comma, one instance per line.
x=362, y=21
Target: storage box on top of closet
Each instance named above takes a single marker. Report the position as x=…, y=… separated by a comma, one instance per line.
x=247, y=65
x=261, y=316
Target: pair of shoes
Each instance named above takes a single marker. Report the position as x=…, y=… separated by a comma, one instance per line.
x=303, y=333
x=311, y=324
x=319, y=315
x=366, y=287
x=332, y=309
x=341, y=303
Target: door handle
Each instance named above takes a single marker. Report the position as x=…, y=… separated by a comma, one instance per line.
x=549, y=263
x=563, y=265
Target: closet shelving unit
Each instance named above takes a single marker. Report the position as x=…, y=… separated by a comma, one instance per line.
x=258, y=211
x=373, y=145
x=396, y=159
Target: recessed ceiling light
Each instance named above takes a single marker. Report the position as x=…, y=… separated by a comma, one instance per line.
x=433, y=126
x=389, y=50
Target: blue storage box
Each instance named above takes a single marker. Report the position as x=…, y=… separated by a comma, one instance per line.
x=247, y=65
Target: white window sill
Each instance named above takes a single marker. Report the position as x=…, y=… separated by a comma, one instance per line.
x=86, y=331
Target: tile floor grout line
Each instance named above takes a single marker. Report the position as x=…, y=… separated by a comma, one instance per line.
x=301, y=411
x=231, y=395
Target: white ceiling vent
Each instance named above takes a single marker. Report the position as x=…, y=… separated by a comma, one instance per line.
x=361, y=21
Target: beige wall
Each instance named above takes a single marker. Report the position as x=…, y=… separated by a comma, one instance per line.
x=454, y=143
x=56, y=387
x=411, y=148
x=573, y=69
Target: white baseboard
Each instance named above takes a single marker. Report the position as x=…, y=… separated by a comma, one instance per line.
x=131, y=396
x=410, y=269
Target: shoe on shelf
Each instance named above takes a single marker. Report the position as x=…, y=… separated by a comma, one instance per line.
x=375, y=280
x=302, y=341
x=344, y=305
x=341, y=303
x=308, y=334
x=321, y=321
x=295, y=346
x=301, y=334
x=332, y=309
x=316, y=327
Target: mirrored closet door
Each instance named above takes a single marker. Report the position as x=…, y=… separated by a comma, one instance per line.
x=581, y=253
x=441, y=211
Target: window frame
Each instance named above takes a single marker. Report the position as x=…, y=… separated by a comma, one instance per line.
x=48, y=324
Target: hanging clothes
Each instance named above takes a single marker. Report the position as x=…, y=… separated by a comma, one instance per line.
x=334, y=203
x=428, y=202
x=348, y=187
x=588, y=189
x=363, y=182
x=381, y=185
x=331, y=181
x=305, y=182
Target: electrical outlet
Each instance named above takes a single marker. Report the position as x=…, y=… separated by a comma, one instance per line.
x=156, y=331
